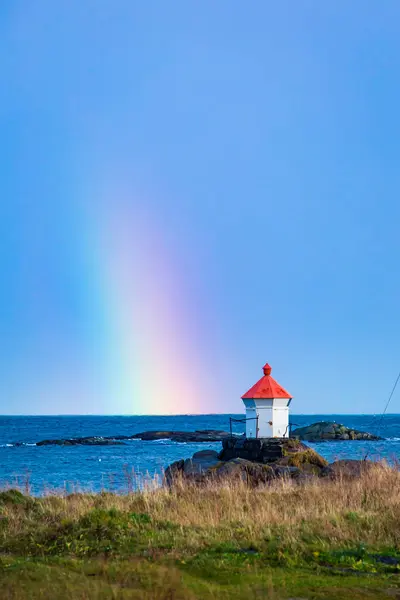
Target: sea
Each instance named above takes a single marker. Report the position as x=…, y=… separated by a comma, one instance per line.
x=136, y=464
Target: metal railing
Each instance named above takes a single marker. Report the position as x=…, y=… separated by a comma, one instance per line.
x=232, y=420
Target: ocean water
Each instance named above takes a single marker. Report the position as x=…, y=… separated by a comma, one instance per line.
x=47, y=469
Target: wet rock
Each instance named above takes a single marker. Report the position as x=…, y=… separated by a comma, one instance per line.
x=206, y=435
x=328, y=430
x=175, y=436
x=85, y=441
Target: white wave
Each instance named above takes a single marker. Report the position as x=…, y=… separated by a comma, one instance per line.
x=17, y=445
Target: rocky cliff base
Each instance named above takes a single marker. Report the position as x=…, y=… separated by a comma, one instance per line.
x=255, y=461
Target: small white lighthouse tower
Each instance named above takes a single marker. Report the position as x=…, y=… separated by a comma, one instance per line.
x=267, y=408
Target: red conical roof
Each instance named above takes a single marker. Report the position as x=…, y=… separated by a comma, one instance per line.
x=266, y=387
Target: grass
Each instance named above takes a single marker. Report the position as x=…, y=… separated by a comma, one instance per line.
x=317, y=540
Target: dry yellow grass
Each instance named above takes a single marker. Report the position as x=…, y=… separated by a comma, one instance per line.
x=218, y=538
x=284, y=503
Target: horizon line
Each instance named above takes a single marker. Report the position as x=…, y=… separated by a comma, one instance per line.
x=185, y=414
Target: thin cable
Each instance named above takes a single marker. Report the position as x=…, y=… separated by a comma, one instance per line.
x=385, y=409
x=388, y=402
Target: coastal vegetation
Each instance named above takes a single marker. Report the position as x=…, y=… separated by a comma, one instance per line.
x=323, y=538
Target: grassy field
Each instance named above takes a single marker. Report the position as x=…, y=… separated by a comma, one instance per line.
x=323, y=539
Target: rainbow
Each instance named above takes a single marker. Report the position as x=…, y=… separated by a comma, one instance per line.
x=146, y=337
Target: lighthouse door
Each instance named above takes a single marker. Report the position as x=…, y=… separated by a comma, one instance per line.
x=265, y=428
x=251, y=423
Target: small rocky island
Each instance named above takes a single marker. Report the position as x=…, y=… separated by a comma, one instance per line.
x=259, y=461
x=330, y=431
x=203, y=435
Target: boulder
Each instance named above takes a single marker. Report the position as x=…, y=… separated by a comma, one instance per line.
x=249, y=472
x=234, y=470
x=200, y=462
x=253, y=461
x=328, y=430
x=306, y=461
x=286, y=472
x=174, y=473
x=349, y=468
x=263, y=450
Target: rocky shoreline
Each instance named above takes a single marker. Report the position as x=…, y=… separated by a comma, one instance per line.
x=259, y=461
x=317, y=432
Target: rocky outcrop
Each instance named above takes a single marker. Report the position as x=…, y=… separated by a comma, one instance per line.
x=296, y=462
x=330, y=431
x=237, y=469
x=206, y=435
x=349, y=468
x=263, y=450
x=85, y=441
x=324, y=430
x=253, y=461
x=202, y=435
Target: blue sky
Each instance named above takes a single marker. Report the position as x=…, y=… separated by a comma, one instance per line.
x=263, y=136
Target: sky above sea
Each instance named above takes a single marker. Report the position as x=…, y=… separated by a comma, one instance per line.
x=191, y=189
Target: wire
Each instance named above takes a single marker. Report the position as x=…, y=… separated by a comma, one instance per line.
x=385, y=409
x=388, y=402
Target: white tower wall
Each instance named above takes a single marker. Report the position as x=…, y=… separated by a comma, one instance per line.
x=273, y=417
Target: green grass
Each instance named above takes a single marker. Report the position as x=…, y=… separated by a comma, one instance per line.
x=328, y=540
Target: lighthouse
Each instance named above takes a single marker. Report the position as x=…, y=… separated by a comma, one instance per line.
x=267, y=408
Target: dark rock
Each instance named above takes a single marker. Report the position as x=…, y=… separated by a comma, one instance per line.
x=263, y=450
x=306, y=461
x=85, y=441
x=175, y=436
x=249, y=472
x=328, y=430
x=174, y=473
x=200, y=462
x=286, y=472
x=253, y=461
x=207, y=435
x=349, y=469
